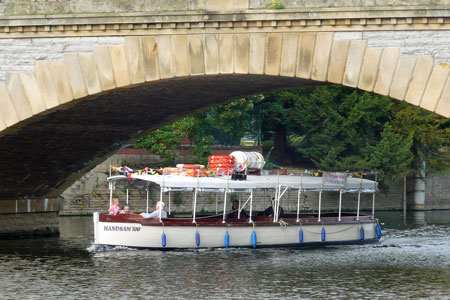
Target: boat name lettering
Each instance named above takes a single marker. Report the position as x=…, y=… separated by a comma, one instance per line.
x=334, y=179
x=121, y=228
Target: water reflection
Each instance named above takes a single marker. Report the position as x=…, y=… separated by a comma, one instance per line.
x=411, y=261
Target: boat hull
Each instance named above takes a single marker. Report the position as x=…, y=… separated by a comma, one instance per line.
x=176, y=234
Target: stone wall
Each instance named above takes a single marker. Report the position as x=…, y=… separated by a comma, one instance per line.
x=16, y=225
x=26, y=7
x=22, y=54
x=418, y=42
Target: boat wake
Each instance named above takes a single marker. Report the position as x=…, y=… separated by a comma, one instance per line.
x=94, y=248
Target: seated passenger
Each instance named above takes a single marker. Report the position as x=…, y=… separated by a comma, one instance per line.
x=268, y=212
x=125, y=210
x=115, y=208
x=155, y=214
x=235, y=211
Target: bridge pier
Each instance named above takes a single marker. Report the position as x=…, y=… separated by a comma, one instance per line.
x=29, y=218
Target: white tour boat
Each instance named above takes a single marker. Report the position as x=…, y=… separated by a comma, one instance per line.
x=219, y=231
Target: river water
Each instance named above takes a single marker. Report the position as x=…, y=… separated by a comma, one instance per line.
x=411, y=261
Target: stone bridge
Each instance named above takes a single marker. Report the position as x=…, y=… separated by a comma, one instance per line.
x=79, y=79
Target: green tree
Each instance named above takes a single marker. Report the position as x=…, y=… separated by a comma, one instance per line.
x=430, y=134
x=165, y=141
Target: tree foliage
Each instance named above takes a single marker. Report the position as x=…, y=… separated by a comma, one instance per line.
x=335, y=127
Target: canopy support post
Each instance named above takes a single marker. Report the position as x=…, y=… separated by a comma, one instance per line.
x=299, y=197
x=110, y=193
x=224, y=206
x=127, y=196
x=373, y=196
x=320, y=204
x=359, y=197
x=169, y=202
x=251, y=206
x=147, y=200
x=340, y=204
x=195, y=205
x=160, y=199
x=239, y=207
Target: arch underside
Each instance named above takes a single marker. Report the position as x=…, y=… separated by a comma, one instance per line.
x=40, y=156
x=57, y=119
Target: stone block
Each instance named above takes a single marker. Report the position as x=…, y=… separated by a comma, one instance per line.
x=289, y=52
x=273, y=54
x=211, y=54
x=61, y=81
x=220, y=5
x=435, y=85
x=257, y=53
x=18, y=97
x=226, y=51
x=33, y=93
x=322, y=54
x=46, y=85
x=180, y=51
x=443, y=107
x=196, y=57
x=150, y=58
x=165, y=56
x=402, y=76
x=388, y=64
x=75, y=75
x=422, y=72
x=120, y=65
x=89, y=68
x=241, y=53
x=307, y=44
x=8, y=112
x=134, y=56
x=338, y=60
x=104, y=68
x=355, y=57
x=369, y=69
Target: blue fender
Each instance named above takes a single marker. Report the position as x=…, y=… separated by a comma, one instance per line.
x=254, y=240
x=163, y=240
x=361, y=233
x=300, y=236
x=197, y=239
x=227, y=240
x=378, y=231
x=323, y=234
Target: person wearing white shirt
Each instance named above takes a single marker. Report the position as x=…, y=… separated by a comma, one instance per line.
x=155, y=214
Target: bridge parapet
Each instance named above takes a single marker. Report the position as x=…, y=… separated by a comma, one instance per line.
x=29, y=7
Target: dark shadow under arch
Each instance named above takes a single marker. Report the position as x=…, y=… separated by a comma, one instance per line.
x=37, y=157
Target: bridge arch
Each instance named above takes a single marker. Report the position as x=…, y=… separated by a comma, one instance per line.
x=316, y=56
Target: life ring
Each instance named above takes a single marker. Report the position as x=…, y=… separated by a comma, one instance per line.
x=221, y=161
x=219, y=157
x=190, y=166
x=213, y=166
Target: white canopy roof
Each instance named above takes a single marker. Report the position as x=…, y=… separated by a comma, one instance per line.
x=307, y=183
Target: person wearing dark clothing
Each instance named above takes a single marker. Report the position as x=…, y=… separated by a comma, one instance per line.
x=268, y=212
x=235, y=211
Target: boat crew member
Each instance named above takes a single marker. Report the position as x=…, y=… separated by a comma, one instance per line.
x=234, y=213
x=155, y=214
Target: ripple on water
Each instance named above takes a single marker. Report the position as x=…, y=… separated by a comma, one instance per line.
x=412, y=262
